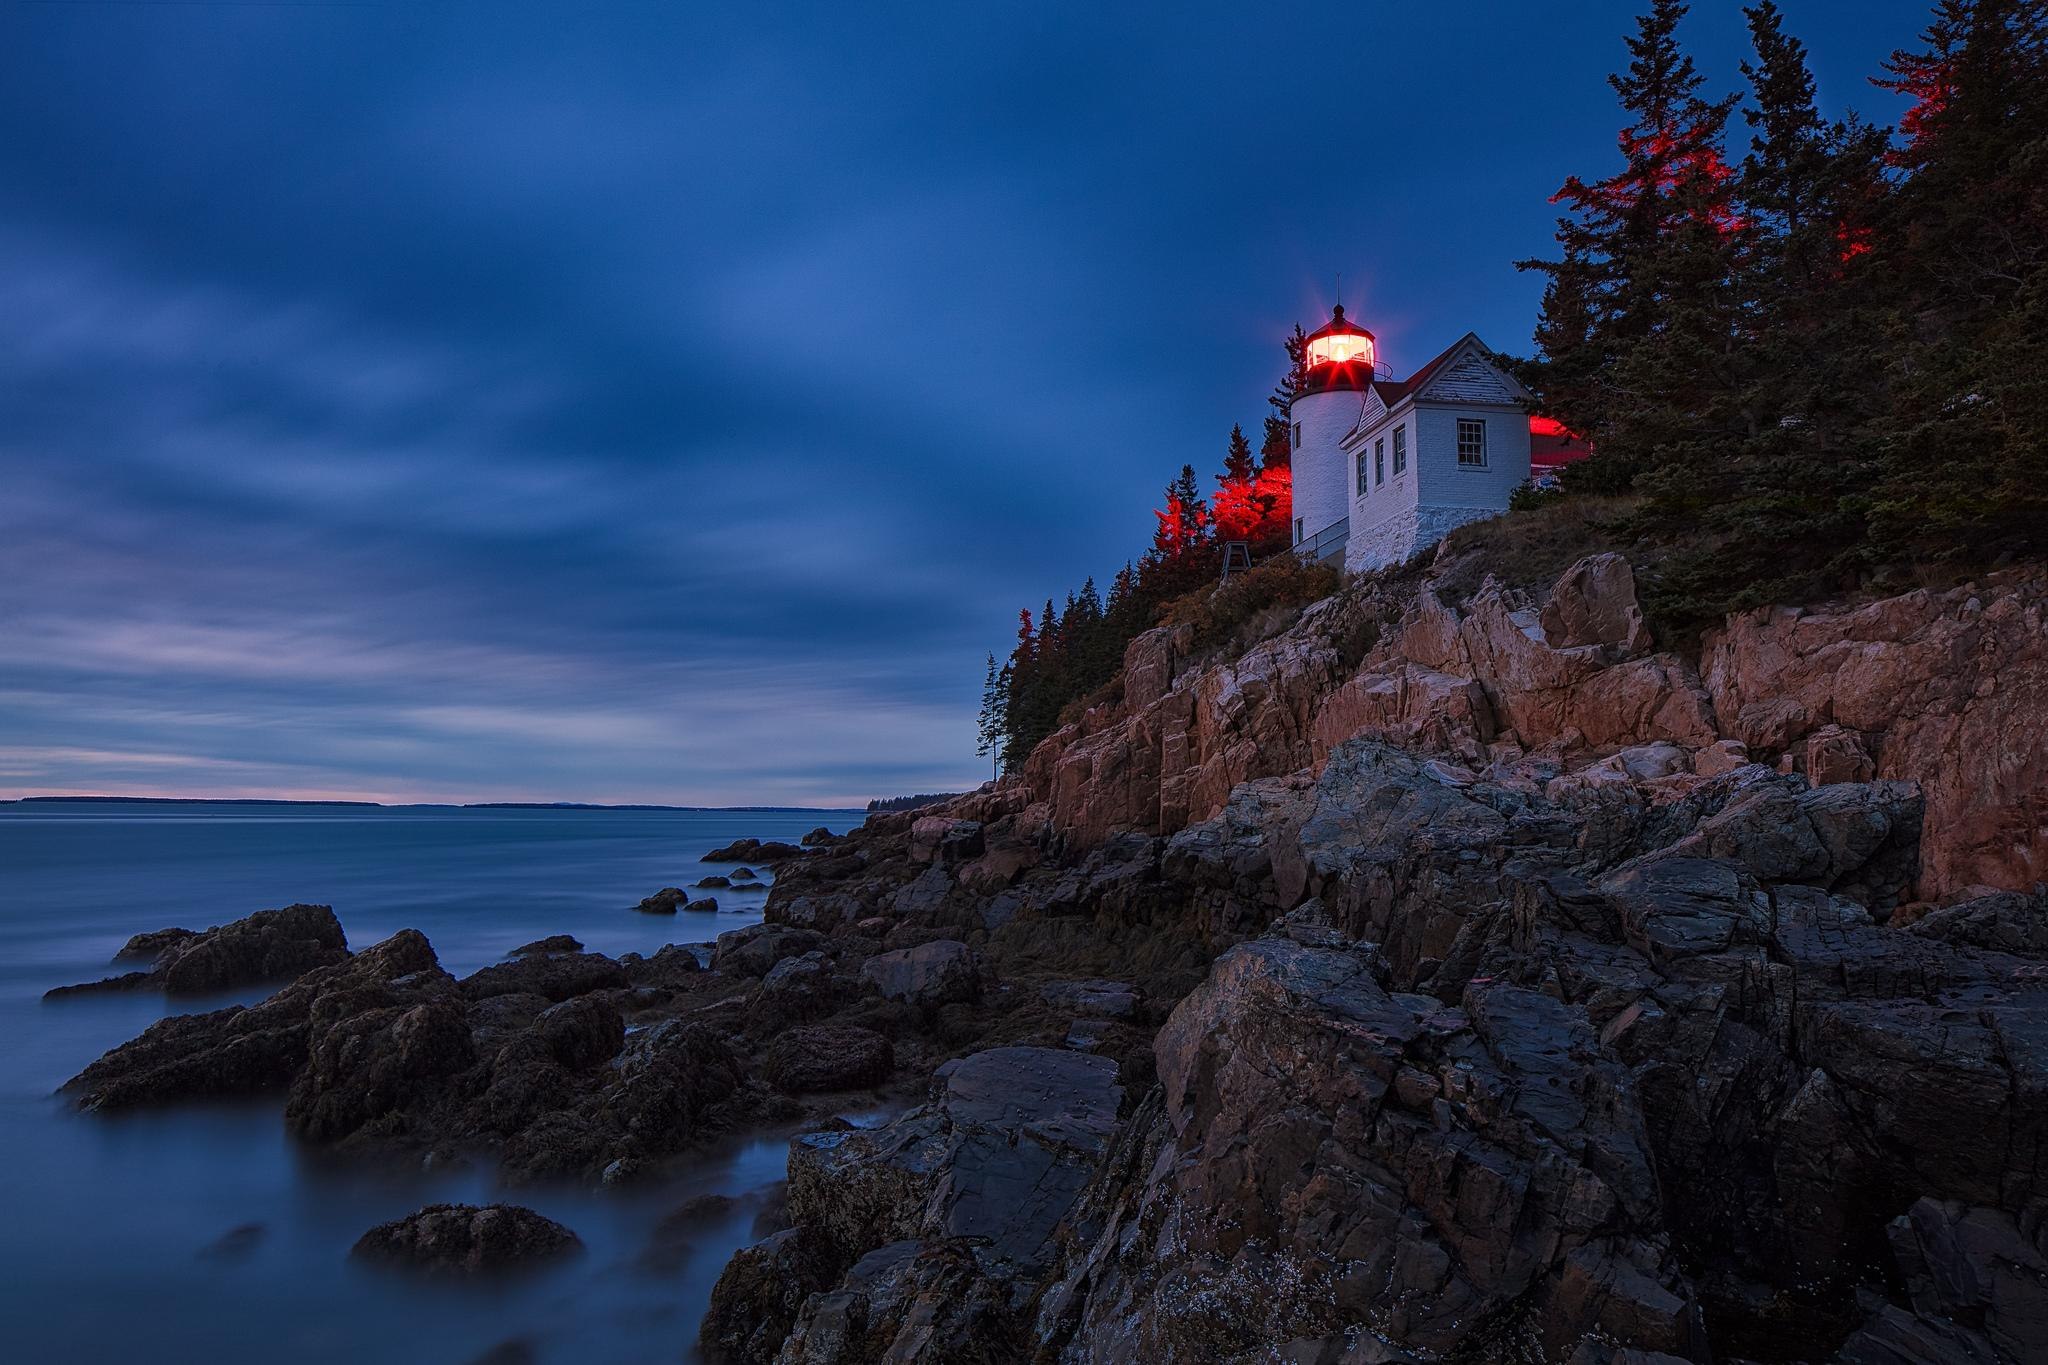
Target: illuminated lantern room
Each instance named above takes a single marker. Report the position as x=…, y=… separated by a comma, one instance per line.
x=1339, y=355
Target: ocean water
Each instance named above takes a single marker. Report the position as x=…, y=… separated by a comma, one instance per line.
x=203, y=1233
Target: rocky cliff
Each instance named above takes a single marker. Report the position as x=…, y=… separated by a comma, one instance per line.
x=1564, y=690
x=1522, y=992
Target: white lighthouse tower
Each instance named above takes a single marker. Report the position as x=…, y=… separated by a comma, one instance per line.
x=1337, y=362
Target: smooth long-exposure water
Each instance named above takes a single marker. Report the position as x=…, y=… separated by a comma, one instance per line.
x=204, y=1233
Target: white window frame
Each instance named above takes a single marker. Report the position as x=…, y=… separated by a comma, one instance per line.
x=1297, y=530
x=1400, y=450
x=1379, y=461
x=1364, y=485
x=1474, y=427
x=1297, y=436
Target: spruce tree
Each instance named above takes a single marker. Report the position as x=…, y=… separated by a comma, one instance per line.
x=1963, y=465
x=1639, y=349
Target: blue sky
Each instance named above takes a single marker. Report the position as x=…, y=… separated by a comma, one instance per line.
x=631, y=401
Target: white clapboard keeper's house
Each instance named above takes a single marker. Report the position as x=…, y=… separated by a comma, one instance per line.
x=1384, y=469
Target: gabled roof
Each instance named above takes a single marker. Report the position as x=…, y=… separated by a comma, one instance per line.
x=1393, y=393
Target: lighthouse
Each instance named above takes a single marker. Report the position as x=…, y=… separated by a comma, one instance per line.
x=1337, y=372
x=1384, y=469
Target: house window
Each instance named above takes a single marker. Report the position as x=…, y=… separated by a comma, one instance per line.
x=1297, y=530
x=1379, y=460
x=1471, y=443
x=1363, y=484
x=1400, y=450
x=1297, y=436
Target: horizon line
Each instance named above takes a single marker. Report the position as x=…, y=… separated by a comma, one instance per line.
x=67, y=799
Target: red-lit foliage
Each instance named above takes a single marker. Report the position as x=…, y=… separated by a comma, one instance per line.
x=1255, y=508
x=1183, y=528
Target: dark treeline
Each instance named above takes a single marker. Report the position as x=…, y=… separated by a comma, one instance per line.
x=901, y=803
x=1820, y=360
x=1068, y=651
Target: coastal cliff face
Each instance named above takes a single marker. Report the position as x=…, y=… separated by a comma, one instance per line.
x=1948, y=690
x=1565, y=1000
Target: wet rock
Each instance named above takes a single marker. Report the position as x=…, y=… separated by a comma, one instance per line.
x=270, y=945
x=999, y=1156
x=754, y=950
x=754, y=851
x=248, y=1050
x=671, y=1086
x=796, y=990
x=1098, y=999
x=673, y=965
x=929, y=974
x=467, y=1239
x=554, y=943
x=827, y=1057
x=127, y=981
x=666, y=901
x=150, y=946
x=713, y=883
x=706, y=906
x=745, y=874
x=818, y=836
x=557, y=976
x=581, y=1032
x=759, y=1294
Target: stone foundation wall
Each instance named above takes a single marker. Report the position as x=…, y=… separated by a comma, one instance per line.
x=1404, y=534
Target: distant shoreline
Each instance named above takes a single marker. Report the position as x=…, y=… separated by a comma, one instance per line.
x=410, y=805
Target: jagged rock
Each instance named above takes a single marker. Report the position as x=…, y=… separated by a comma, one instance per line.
x=554, y=943
x=1338, y=1157
x=666, y=901
x=557, y=976
x=1945, y=689
x=2003, y=922
x=758, y=1295
x=940, y=838
x=929, y=974
x=673, y=965
x=375, y=1052
x=754, y=950
x=150, y=946
x=754, y=851
x=796, y=990
x=581, y=1032
x=247, y=1050
x=820, y=835
x=998, y=1156
x=823, y=1057
x=270, y=945
x=669, y=1087
x=467, y=1239
x=1595, y=604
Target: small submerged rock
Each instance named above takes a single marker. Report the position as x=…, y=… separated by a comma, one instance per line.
x=467, y=1239
x=236, y=1244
